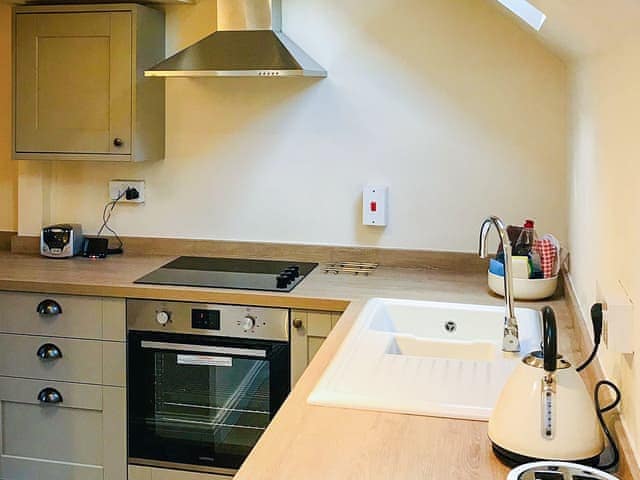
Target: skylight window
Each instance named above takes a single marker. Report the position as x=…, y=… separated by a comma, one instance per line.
x=527, y=12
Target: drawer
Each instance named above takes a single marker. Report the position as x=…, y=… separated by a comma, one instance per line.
x=68, y=316
x=81, y=361
x=152, y=473
x=81, y=438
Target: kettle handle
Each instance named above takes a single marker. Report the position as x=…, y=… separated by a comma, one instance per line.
x=550, y=339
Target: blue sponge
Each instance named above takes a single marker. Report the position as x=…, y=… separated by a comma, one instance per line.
x=496, y=267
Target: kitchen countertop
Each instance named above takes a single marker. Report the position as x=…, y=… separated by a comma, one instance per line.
x=304, y=441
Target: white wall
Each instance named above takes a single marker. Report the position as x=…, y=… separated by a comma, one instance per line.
x=605, y=200
x=452, y=104
x=8, y=168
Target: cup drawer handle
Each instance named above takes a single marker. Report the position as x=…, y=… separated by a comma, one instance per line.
x=49, y=308
x=48, y=352
x=49, y=396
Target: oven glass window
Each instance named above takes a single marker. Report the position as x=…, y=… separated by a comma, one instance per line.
x=205, y=409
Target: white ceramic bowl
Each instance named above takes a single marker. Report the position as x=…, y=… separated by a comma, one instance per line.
x=525, y=289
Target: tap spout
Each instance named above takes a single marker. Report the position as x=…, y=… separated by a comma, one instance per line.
x=510, y=341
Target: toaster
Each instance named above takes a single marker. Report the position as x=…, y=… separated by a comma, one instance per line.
x=61, y=241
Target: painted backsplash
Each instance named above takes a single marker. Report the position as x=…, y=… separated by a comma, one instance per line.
x=453, y=105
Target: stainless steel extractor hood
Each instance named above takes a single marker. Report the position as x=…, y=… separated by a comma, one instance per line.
x=248, y=43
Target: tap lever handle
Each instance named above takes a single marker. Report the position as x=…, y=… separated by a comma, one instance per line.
x=550, y=339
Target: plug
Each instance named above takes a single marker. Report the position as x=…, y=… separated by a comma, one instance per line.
x=127, y=191
x=132, y=194
x=596, y=318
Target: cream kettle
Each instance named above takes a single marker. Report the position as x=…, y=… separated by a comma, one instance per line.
x=544, y=411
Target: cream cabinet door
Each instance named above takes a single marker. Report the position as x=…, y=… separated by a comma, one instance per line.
x=83, y=437
x=73, y=86
x=308, y=332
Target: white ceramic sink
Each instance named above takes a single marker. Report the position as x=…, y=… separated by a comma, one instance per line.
x=425, y=358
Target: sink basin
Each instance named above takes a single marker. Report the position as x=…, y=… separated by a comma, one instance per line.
x=425, y=358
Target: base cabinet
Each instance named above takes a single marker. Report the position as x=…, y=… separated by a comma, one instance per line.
x=152, y=473
x=63, y=401
x=309, y=330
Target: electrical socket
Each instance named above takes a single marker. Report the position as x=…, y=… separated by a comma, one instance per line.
x=116, y=187
x=617, y=330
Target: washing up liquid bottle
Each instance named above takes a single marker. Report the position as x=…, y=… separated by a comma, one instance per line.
x=525, y=241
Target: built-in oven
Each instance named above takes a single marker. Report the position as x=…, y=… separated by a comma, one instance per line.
x=204, y=381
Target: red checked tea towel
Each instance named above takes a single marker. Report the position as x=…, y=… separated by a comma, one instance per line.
x=548, y=255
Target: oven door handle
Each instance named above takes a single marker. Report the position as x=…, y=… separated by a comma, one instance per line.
x=182, y=347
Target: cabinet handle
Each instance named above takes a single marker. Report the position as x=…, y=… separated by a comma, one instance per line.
x=297, y=324
x=118, y=142
x=48, y=352
x=49, y=395
x=49, y=308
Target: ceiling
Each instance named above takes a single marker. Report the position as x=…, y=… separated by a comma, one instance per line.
x=576, y=28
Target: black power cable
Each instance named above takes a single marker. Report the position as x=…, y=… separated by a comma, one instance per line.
x=596, y=319
x=130, y=194
x=600, y=411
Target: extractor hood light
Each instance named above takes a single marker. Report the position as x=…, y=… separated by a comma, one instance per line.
x=527, y=12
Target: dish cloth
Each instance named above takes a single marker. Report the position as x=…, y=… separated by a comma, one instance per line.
x=546, y=248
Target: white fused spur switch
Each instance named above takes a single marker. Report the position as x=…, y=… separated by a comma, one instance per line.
x=118, y=188
x=617, y=328
x=374, y=205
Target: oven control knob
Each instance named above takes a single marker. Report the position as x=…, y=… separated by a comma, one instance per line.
x=248, y=323
x=163, y=317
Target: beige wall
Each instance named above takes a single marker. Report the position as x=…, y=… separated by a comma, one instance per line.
x=452, y=104
x=605, y=199
x=8, y=168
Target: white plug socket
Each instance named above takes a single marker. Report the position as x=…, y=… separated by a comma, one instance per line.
x=617, y=328
x=117, y=187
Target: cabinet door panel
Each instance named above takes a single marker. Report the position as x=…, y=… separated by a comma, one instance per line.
x=308, y=332
x=73, y=82
x=66, y=438
x=82, y=438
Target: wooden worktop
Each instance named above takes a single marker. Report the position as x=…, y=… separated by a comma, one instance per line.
x=311, y=442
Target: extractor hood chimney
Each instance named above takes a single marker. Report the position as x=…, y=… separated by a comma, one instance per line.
x=248, y=43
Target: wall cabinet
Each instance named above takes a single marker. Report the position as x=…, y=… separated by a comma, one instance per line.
x=80, y=91
x=62, y=387
x=308, y=332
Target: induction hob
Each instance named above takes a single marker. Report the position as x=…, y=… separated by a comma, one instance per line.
x=265, y=275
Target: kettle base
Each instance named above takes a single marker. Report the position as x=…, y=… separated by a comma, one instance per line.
x=512, y=459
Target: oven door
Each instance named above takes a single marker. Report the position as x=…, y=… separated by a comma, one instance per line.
x=201, y=403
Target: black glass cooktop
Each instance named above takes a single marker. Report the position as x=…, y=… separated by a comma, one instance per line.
x=266, y=275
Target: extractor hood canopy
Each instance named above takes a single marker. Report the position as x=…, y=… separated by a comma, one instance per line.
x=248, y=43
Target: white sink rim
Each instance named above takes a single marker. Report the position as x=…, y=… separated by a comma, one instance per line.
x=339, y=387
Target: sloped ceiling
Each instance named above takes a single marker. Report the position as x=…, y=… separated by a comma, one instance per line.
x=576, y=28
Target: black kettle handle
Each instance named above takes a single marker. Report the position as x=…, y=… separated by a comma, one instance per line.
x=550, y=339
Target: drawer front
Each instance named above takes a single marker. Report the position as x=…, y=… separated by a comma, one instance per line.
x=82, y=438
x=70, y=360
x=63, y=316
x=151, y=473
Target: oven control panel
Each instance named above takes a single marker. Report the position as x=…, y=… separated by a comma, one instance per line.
x=203, y=319
x=208, y=319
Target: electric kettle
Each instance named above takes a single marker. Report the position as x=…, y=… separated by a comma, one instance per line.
x=544, y=411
